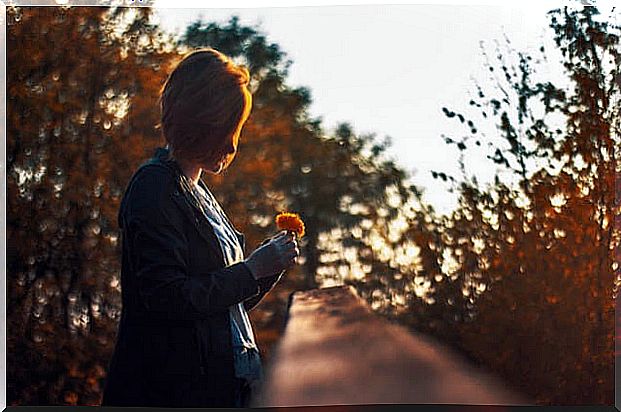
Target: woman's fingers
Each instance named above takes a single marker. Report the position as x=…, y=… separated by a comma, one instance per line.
x=282, y=234
x=274, y=237
x=277, y=236
x=287, y=248
x=286, y=240
x=289, y=253
x=286, y=260
x=291, y=247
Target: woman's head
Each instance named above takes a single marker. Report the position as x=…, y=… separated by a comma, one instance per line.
x=204, y=104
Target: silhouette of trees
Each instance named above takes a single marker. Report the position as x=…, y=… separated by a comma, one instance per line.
x=534, y=251
x=81, y=88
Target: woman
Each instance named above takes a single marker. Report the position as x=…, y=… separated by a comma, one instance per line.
x=184, y=337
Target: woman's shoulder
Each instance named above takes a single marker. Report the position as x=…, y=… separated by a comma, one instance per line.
x=153, y=170
x=150, y=189
x=152, y=181
x=157, y=167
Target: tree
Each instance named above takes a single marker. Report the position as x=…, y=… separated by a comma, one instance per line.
x=77, y=124
x=543, y=245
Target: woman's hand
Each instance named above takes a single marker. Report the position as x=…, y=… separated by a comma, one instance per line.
x=273, y=256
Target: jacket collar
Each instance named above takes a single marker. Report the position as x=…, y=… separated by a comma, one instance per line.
x=161, y=156
x=184, y=196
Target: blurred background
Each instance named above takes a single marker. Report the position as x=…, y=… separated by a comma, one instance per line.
x=456, y=165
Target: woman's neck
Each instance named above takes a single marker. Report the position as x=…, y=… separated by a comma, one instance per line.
x=191, y=171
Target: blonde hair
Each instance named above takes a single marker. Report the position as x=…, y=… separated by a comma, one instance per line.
x=203, y=101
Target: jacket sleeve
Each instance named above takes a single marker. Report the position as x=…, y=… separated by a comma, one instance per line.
x=159, y=254
x=265, y=285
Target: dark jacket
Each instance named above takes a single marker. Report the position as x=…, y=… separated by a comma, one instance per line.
x=174, y=343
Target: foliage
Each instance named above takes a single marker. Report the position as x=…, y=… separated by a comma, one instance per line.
x=542, y=243
x=78, y=119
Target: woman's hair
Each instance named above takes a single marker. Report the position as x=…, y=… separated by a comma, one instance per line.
x=203, y=101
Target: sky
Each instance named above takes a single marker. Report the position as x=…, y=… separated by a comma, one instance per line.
x=389, y=69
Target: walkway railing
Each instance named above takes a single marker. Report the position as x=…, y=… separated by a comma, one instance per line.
x=335, y=351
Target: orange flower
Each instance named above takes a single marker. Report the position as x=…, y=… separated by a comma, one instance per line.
x=291, y=222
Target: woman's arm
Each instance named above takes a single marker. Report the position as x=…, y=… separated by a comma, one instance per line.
x=265, y=285
x=159, y=254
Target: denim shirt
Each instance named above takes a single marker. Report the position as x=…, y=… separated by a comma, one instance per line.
x=246, y=353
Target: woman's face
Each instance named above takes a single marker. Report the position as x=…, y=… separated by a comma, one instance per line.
x=224, y=156
x=220, y=158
